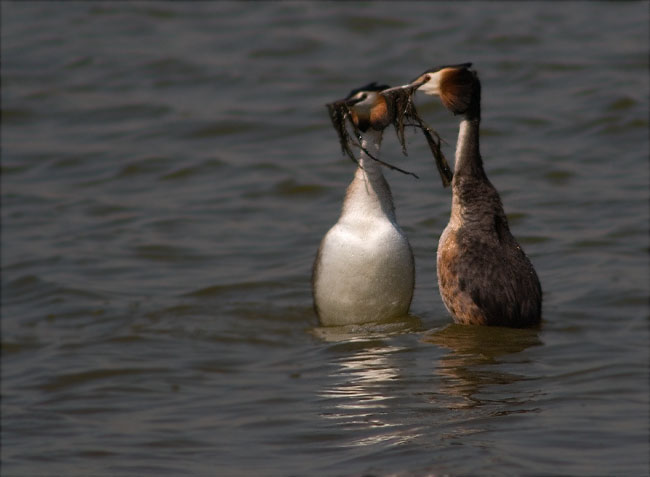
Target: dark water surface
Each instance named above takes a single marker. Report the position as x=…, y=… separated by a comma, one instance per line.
x=168, y=171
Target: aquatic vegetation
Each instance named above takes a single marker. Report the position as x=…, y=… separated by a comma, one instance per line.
x=401, y=113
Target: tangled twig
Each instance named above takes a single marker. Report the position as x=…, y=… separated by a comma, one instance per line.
x=340, y=116
x=403, y=113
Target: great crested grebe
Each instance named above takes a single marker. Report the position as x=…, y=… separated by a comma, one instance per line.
x=364, y=269
x=484, y=276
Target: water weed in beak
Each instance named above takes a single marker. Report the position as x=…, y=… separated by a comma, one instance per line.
x=340, y=115
x=400, y=101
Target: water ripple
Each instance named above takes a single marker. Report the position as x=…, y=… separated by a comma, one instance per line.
x=169, y=171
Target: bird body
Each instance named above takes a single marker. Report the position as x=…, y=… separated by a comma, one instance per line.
x=364, y=269
x=484, y=276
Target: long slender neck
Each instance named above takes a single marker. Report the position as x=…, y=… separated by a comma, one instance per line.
x=371, y=142
x=474, y=198
x=468, y=155
x=369, y=194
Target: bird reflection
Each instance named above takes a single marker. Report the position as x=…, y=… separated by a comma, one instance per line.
x=466, y=370
x=363, y=394
x=384, y=390
x=366, y=331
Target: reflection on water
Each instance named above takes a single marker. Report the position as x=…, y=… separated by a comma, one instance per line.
x=353, y=333
x=361, y=377
x=363, y=392
x=476, y=352
x=168, y=172
x=384, y=391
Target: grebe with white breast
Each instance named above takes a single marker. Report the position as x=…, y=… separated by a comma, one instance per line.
x=484, y=276
x=364, y=269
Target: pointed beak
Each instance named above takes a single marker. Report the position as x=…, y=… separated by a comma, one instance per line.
x=404, y=86
x=429, y=81
x=413, y=85
x=348, y=102
x=351, y=101
x=418, y=82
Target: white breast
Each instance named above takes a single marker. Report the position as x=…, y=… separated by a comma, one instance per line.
x=364, y=271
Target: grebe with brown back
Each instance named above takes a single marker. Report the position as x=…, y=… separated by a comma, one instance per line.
x=484, y=276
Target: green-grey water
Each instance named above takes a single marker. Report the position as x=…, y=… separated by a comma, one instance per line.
x=169, y=169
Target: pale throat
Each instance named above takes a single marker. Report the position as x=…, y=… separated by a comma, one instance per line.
x=371, y=142
x=368, y=196
x=467, y=145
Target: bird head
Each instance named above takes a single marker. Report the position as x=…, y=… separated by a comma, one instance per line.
x=368, y=107
x=457, y=85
